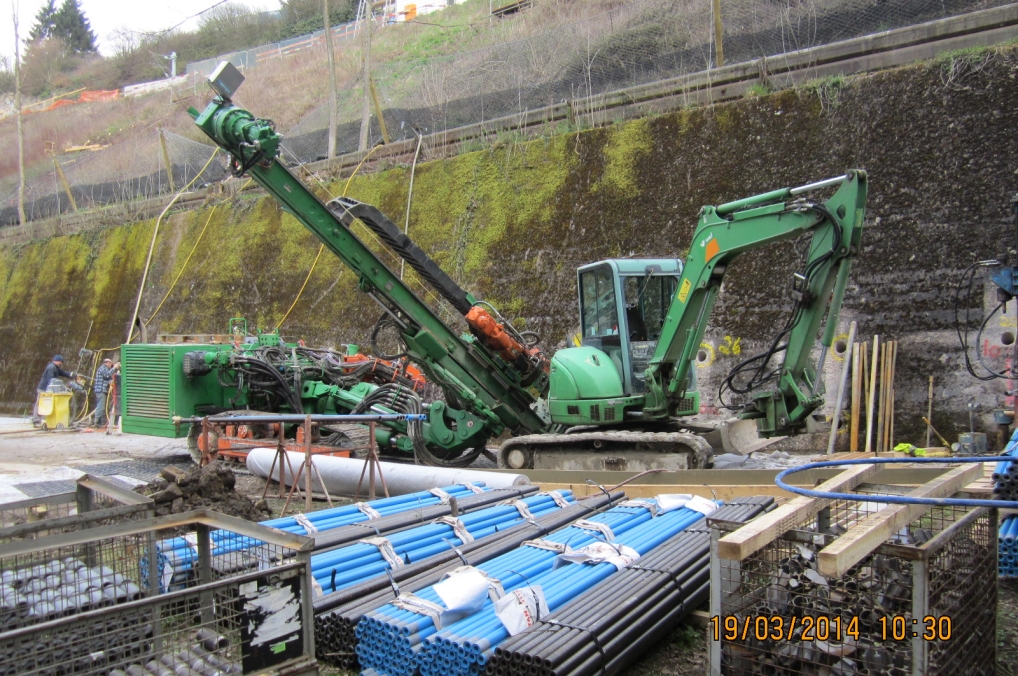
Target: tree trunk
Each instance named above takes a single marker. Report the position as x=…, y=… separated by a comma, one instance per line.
x=366, y=107
x=333, y=103
x=21, y=133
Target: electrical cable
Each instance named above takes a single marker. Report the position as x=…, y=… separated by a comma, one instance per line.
x=184, y=266
x=779, y=481
x=969, y=275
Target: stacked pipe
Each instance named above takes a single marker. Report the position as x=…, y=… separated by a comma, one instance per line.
x=45, y=591
x=176, y=561
x=92, y=647
x=346, y=566
x=609, y=625
x=338, y=614
x=1007, y=543
x=399, y=641
x=1005, y=474
x=201, y=659
x=312, y=523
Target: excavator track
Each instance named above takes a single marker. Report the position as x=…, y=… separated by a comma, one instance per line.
x=607, y=450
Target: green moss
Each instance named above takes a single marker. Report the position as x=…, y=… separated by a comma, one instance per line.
x=627, y=146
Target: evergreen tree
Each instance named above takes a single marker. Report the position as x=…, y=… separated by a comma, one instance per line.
x=44, y=22
x=72, y=26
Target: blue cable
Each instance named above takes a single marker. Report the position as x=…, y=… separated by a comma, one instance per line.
x=895, y=499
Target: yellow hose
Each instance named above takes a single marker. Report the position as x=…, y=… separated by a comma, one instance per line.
x=184, y=266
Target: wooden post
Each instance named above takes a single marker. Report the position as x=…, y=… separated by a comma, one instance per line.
x=871, y=398
x=890, y=405
x=719, y=49
x=841, y=390
x=307, y=462
x=333, y=88
x=365, y=15
x=64, y=183
x=166, y=160
x=856, y=397
x=929, y=415
x=378, y=111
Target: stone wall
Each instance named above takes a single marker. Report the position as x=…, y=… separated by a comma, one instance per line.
x=512, y=222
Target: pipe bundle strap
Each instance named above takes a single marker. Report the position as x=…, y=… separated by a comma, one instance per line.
x=367, y=509
x=415, y=604
x=602, y=528
x=441, y=495
x=593, y=634
x=559, y=547
x=649, y=505
x=386, y=550
x=557, y=497
x=619, y=556
x=458, y=528
x=305, y=523
x=495, y=589
x=471, y=487
x=521, y=507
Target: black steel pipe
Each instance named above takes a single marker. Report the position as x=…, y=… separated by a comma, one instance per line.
x=316, y=417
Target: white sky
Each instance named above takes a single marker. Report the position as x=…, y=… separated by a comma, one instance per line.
x=108, y=15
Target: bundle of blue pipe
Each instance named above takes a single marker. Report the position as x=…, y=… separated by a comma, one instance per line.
x=177, y=557
x=224, y=542
x=340, y=568
x=1007, y=543
x=1005, y=474
x=399, y=642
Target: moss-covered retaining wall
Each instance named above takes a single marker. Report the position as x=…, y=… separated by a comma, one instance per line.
x=513, y=222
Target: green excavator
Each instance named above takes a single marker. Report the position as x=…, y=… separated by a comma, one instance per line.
x=624, y=397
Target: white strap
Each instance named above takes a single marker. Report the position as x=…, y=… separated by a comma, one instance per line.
x=557, y=497
x=471, y=487
x=441, y=495
x=305, y=523
x=386, y=550
x=521, y=507
x=495, y=589
x=602, y=528
x=415, y=604
x=619, y=556
x=367, y=509
x=546, y=544
x=649, y=505
x=458, y=528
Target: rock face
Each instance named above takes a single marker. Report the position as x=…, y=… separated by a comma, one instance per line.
x=513, y=222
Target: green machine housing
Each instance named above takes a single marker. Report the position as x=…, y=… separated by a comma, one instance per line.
x=155, y=388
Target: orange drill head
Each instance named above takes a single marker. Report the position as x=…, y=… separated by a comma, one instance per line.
x=495, y=337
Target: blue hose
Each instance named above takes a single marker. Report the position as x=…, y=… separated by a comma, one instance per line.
x=893, y=499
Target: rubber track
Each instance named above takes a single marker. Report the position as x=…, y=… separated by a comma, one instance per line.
x=701, y=449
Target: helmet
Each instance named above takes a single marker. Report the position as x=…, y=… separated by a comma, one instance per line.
x=58, y=358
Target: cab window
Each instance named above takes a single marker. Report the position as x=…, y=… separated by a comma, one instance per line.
x=647, y=302
x=600, y=313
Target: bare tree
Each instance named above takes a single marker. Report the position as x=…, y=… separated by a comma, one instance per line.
x=364, y=14
x=17, y=104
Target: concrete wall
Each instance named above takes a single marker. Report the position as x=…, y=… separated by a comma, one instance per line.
x=513, y=222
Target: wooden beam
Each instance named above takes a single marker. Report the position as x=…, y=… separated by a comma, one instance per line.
x=864, y=537
x=765, y=528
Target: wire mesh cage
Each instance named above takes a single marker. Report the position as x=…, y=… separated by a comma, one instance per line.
x=94, y=502
x=235, y=599
x=923, y=602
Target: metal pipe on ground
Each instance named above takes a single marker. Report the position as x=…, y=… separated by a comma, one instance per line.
x=341, y=475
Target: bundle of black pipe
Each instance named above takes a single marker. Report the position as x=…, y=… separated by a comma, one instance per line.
x=46, y=591
x=605, y=628
x=337, y=614
x=87, y=648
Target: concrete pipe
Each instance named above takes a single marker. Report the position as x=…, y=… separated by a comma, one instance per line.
x=342, y=474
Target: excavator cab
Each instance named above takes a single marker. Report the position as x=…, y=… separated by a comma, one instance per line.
x=623, y=305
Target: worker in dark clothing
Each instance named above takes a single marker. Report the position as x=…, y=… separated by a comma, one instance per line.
x=101, y=389
x=54, y=369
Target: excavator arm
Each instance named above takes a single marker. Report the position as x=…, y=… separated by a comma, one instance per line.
x=722, y=234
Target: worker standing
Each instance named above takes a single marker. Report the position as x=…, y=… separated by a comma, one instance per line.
x=54, y=369
x=101, y=389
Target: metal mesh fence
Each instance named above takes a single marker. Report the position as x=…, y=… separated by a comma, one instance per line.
x=632, y=44
x=924, y=602
x=529, y=68
x=129, y=170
